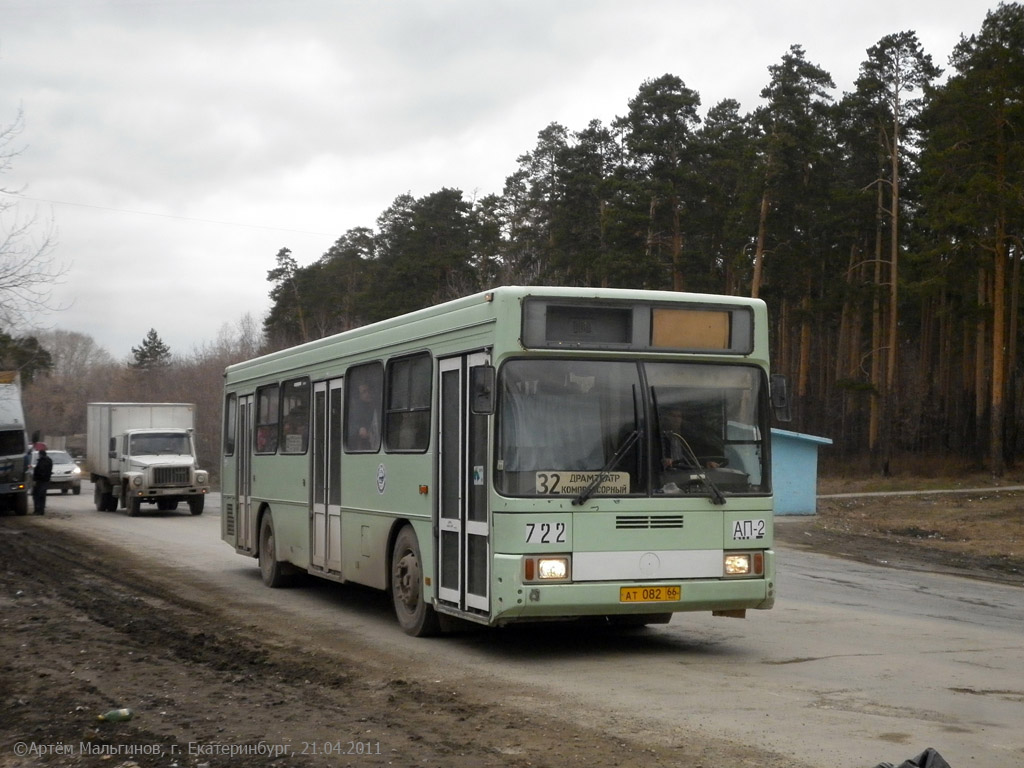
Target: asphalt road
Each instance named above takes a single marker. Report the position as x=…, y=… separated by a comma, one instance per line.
x=856, y=664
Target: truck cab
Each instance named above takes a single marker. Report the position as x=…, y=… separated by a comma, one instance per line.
x=156, y=466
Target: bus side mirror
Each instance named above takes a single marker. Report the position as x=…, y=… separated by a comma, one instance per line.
x=481, y=389
x=780, y=398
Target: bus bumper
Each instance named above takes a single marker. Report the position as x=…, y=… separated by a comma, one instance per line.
x=513, y=600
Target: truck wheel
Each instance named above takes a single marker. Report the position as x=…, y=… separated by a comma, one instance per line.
x=415, y=616
x=195, y=504
x=271, y=569
x=104, y=500
x=133, y=504
x=21, y=504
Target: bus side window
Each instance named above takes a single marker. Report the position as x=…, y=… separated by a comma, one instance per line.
x=295, y=416
x=363, y=387
x=266, y=418
x=230, y=415
x=407, y=418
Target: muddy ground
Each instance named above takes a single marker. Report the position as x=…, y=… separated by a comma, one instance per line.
x=78, y=638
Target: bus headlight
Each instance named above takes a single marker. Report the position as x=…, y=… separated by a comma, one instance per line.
x=553, y=568
x=744, y=564
x=546, y=568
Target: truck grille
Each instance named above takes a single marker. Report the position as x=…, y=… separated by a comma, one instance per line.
x=172, y=476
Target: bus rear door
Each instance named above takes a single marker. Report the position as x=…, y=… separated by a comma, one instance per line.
x=246, y=526
x=326, y=458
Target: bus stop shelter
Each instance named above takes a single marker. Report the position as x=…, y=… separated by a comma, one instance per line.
x=795, y=471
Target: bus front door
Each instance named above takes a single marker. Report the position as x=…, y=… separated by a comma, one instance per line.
x=246, y=530
x=325, y=509
x=463, y=545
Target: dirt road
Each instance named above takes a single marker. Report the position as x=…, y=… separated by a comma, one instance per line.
x=211, y=662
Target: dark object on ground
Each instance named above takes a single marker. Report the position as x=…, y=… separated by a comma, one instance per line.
x=927, y=759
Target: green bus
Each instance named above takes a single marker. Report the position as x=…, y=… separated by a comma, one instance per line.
x=521, y=454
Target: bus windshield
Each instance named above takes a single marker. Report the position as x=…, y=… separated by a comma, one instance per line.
x=587, y=428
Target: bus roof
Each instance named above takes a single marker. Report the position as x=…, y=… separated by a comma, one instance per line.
x=488, y=305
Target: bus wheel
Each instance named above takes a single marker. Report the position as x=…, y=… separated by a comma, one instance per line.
x=272, y=570
x=414, y=615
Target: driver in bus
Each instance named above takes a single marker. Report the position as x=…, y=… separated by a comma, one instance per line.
x=677, y=436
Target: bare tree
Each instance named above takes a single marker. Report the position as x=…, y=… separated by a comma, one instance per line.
x=28, y=266
x=79, y=373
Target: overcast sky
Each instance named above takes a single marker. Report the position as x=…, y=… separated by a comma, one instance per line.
x=178, y=145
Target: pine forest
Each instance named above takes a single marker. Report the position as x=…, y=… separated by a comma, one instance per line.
x=883, y=228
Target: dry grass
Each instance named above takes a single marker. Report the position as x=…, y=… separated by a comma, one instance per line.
x=969, y=521
x=987, y=524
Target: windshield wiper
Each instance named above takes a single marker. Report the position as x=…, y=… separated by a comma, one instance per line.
x=700, y=474
x=592, y=486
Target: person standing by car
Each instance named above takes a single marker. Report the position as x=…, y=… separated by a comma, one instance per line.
x=41, y=473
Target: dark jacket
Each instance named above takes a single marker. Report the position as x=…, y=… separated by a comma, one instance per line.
x=43, y=468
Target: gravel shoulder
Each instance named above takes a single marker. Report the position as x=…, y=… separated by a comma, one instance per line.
x=79, y=637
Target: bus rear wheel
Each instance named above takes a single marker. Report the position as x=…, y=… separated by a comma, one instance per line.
x=414, y=615
x=272, y=570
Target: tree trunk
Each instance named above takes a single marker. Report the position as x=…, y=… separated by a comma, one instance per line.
x=980, y=389
x=678, y=280
x=998, y=402
x=997, y=410
x=805, y=347
x=762, y=234
x=878, y=390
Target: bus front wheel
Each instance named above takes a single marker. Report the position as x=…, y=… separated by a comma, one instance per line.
x=271, y=569
x=415, y=616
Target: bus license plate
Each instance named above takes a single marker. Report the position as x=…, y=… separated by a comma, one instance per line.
x=650, y=594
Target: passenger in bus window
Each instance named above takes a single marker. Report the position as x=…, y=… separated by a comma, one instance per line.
x=296, y=431
x=365, y=423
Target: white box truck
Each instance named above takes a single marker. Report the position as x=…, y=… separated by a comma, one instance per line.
x=13, y=445
x=144, y=452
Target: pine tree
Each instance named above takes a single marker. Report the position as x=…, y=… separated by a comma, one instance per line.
x=152, y=354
